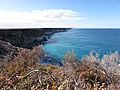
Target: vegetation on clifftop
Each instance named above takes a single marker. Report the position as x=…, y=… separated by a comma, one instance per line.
x=23, y=72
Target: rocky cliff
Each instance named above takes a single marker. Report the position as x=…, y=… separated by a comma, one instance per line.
x=13, y=39
x=27, y=38
x=7, y=50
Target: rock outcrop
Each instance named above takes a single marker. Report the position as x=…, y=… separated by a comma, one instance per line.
x=7, y=50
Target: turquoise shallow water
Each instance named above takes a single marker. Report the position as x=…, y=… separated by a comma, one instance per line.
x=82, y=41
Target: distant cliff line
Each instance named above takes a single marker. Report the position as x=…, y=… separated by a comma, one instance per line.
x=13, y=39
x=27, y=38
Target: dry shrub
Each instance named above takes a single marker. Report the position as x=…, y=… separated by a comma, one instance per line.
x=91, y=72
x=23, y=72
x=110, y=63
x=24, y=61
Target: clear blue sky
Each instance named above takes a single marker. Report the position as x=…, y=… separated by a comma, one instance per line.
x=97, y=13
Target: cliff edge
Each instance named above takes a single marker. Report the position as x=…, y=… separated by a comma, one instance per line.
x=13, y=39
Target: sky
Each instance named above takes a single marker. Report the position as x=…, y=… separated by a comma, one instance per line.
x=59, y=13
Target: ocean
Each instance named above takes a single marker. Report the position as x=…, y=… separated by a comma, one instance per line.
x=83, y=41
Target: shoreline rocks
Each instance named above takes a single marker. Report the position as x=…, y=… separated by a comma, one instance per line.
x=50, y=60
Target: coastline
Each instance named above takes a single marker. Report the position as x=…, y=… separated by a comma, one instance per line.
x=12, y=40
x=20, y=68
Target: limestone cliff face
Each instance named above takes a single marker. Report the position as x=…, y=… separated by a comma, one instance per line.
x=27, y=38
x=13, y=39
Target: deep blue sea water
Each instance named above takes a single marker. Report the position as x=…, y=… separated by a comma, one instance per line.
x=82, y=41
